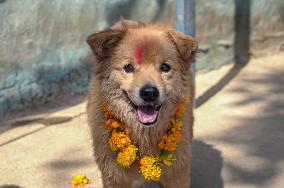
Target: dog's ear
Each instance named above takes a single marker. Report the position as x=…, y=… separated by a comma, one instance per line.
x=186, y=45
x=102, y=43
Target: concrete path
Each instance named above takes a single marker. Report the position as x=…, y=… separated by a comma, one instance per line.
x=239, y=135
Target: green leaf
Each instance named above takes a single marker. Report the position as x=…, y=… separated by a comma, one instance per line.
x=167, y=162
x=164, y=154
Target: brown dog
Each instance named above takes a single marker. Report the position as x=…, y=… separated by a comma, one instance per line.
x=143, y=71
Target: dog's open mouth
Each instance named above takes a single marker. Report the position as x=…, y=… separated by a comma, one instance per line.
x=147, y=114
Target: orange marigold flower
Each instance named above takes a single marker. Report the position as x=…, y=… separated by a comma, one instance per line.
x=111, y=124
x=169, y=142
x=119, y=140
x=108, y=126
x=180, y=111
x=106, y=109
x=104, y=106
x=115, y=124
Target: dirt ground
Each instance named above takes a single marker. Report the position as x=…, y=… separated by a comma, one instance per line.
x=239, y=135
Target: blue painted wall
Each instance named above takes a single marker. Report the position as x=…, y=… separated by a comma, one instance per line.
x=43, y=53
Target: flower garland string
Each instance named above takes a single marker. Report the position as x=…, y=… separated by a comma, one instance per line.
x=150, y=166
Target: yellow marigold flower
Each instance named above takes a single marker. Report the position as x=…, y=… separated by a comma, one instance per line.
x=169, y=142
x=119, y=140
x=150, y=169
x=180, y=111
x=127, y=156
x=79, y=180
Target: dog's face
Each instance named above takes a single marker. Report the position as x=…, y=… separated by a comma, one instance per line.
x=145, y=68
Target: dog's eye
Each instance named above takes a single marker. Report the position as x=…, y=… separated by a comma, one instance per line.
x=165, y=67
x=128, y=68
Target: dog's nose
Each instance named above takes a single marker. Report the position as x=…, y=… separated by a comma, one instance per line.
x=149, y=93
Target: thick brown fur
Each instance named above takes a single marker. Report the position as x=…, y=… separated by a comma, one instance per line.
x=115, y=47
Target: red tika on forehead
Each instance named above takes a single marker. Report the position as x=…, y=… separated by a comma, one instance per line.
x=139, y=54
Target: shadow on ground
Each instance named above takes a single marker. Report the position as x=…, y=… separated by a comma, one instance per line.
x=39, y=115
x=261, y=133
x=206, y=166
x=216, y=88
x=47, y=122
x=27, y=115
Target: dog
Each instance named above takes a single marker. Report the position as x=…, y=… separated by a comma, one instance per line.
x=143, y=71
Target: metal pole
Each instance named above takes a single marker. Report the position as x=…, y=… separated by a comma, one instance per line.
x=185, y=15
x=185, y=12
x=242, y=31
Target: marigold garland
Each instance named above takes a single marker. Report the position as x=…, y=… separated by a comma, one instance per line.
x=127, y=152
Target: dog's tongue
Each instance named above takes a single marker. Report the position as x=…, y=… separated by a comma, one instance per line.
x=147, y=114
